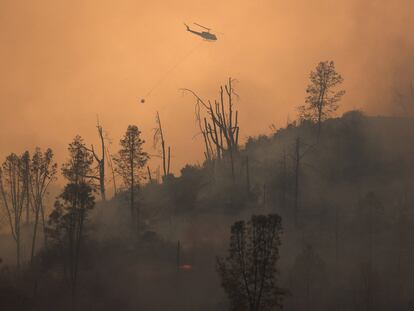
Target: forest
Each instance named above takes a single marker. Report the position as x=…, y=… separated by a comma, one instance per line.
x=317, y=215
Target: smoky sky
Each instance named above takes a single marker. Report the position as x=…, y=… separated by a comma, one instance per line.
x=66, y=63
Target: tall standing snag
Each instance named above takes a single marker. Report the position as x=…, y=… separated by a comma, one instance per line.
x=249, y=273
x=101, y=162
x=220, y=125
x=166, y=155
x=322, y=98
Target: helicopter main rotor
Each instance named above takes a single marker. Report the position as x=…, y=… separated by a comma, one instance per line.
x=208, y=29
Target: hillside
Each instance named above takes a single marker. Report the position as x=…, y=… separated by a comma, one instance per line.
x=346, y=204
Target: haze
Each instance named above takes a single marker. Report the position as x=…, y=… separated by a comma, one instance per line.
x=65, y=62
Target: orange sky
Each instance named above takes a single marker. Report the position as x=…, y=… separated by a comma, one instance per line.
x=62, y=63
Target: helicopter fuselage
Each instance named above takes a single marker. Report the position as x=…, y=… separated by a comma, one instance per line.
x=205, y=35
x=208, y=36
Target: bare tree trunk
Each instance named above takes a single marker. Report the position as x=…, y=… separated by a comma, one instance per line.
x=44, y=225
x=233, y=177
x=247, y=175
x=112, y=170
x=337, y=278
x=18, y=242
x=132, y=194
x=169, y=160
x=101, y=163
x=27, y=211
x=13, y=190
x=319, y=123
x=284, y=180
x=149, y=174
x=297, y=168
x=336, y=237
x=36, y=221
x=178, y=255
x=166, y=156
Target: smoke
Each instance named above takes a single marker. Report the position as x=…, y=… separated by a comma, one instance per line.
x=66, y=63
x=382, y=45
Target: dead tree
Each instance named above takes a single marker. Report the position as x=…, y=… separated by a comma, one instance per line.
x=159, y=139
x=247, y=175
x=111, y=166
x=284, y=180
x=297, y=159
x=299, y=153
x=219, y=124
x=101, y=162
x=149, y=174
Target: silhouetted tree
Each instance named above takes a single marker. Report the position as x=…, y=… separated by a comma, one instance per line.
x=111, y=166
x=299, y=153
x=42, y=172
x=66, y=222
x=322, y=98
x=101, y=162
x=14, y=192
x=66, y=226
x=78, y=169
x=220, y=128
x=249, y=273
x=159, y=139
x=297, y=159
x=129, y=163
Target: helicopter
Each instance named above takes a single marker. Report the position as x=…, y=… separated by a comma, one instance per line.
x=204, y=34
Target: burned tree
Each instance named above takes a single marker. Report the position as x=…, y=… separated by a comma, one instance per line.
x=219, y=126
x=249, y=274
x=14, y=192
x=129, y=163
x=42, y=172
x=111, y=166
x=297, y=165
x=159, y=140
x=101, y=162
x=322, y=98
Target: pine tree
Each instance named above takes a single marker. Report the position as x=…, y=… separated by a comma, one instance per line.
x=129, y=163
x=322, y=98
